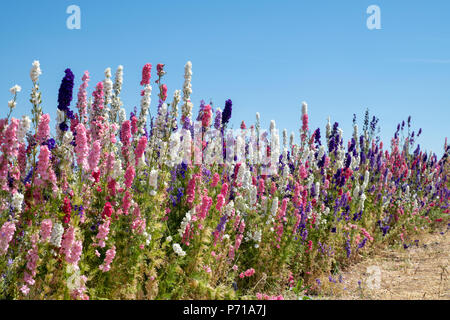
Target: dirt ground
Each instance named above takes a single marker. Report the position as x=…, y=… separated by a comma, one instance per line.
x=419, y=272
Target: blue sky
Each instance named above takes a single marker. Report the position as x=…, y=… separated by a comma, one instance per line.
x=267, y=56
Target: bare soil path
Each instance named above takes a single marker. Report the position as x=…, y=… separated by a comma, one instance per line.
x=418, y=272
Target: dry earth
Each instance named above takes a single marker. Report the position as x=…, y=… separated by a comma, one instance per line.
x=419, y=272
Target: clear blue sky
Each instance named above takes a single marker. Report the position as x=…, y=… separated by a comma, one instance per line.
x=266, y=56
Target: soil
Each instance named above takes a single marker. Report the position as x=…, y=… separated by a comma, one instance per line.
x=420, y=271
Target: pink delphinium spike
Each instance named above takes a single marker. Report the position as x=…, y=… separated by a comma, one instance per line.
x=82, y=96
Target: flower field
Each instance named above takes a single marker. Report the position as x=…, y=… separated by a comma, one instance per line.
x=176, y=206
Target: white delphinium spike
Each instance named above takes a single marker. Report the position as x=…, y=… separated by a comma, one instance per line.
x=240, y=149
x=16, y=89
x=317, y=187
x=176, y=247
x=174, y=149
x=25, y=125
x=35, y=71
x=361, y=201
x=184, y=223
x=174, y=111
x=17, y=200
x=145, y=105
x=118, y=80
x=241, y=173
x=56, y=235
x=107, y=86
x=253, y=195
x=117, y=169
x=264, y=205
x=274, y=208
x=304, y=108
x=186, y=146
x=116, y=103
x=366, y=180
x=356, y=191
x=247, y=181
x=321, y=152
x=12, y=104
x=355, y=135
x=160, y=123
x=122, y=116
x=153, y=181
x=328, y=129
x=187, y=90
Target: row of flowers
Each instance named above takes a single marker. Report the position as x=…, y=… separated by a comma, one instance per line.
x=127, y=207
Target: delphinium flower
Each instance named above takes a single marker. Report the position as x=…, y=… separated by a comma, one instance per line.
x=12, y=103
x=153, y=179
x=35, y=94
x=164, y=92
x=178, y=250
x=218, y=119
x=96, y=115
x=32, y=259
x=94, y=156
x=67, y=209
x=9, y=150
x=366, y=234
x=6, y=234
x=140, y=149
x=206, y=116
x=174, y=110
x=82, y=148
x=185, y=223
x=67, y=240
x=145, y=105
x=82, y=97
x=138, y=224
x=264, y=296
x=44, y=168
x=187, y=90
x=24, y=127
x=64, y=99
x=146, y=74
x=247, y=273
x=103, y=231
x=191, y=190
x=35, y=71
x=226, y=114
x=274, y=147
x=43, y=131
x=129, y=176
x=125, y=136
x=110, y=254
x=17, y=200
x=160, y=125
x=46, y=229
x=107, y=86
x=126, y=202
x=116, y=103
x=75, y=252
x=15, y=89
x=57, y=233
